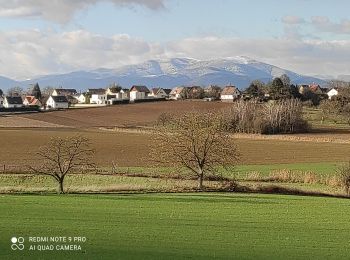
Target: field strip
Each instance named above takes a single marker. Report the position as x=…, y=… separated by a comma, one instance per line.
x=22, y=122
x=291, y=138
x=139, y=130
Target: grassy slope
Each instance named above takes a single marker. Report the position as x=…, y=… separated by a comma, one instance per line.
x=178, y=226
x=117, y=183
x=321, y=168
x=111, y=183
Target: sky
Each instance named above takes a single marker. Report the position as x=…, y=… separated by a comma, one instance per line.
x=39, y=37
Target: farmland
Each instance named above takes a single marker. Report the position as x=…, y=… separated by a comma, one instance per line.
x=136, y=213
x=120, y=136
x=131, y=115
x=132, y=148
x=182, y=226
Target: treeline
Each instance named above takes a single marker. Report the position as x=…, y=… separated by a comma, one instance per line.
x=281, y=88
x=255, y=117
x=337, y=109
x=282, y=116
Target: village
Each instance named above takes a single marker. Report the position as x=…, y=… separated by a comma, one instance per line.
x=64, y=98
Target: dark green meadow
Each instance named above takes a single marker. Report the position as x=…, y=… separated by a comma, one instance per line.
x=178, y=226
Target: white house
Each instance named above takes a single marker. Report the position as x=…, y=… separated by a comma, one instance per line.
x=64, y=92
x=99, y=99
x=303, y=89
x=159, y=93
x=57, y=102
x=81, y=98
x=230, y=93
x=125, y=94
x=138, y=93
x=113, y=90
x=333, y=92
x=178, y=93
x=13, y=102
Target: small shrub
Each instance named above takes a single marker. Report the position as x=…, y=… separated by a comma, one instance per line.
x=344, y=172
x=333, y=181
x=310, y=177
x=164, y=118
x=254, y=176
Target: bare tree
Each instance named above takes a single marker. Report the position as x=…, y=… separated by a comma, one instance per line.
x=281, y=116
x=164, y=118
x=286, y=80
x=47, y=91
x=244, y=116
x=195, y=141
x=63, y=156
x=284, y=116
x=15, y=92
x=331, y=109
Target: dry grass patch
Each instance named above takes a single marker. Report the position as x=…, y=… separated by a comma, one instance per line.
x=289, y=176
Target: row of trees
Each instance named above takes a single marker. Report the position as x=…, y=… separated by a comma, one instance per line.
x=282, y=116
x=33, y=90
x=198, y=142
x=281, y=88
x=338, y=108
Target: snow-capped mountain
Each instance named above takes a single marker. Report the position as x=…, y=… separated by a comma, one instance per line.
x=239, y=71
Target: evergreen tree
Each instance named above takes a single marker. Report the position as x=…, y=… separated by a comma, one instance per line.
x=278, y=90
x=255, y=89
x=286, y=80
x=1, y=92
x=115, y=87
x=294, y=91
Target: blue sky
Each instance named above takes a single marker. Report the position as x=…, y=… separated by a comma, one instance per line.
x=62, y=35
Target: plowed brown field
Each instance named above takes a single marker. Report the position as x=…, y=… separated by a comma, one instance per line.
x=128, y=147
x=139, y=114
x=132, y=148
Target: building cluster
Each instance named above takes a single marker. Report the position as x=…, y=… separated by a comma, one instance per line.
x=61, y=98
x=316, y=89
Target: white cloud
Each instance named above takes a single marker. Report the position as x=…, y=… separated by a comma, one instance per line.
x=323, y=24
x=62, y=11
x=291, y=19
x=304, y=56
x=319, y=24
x=28, y=53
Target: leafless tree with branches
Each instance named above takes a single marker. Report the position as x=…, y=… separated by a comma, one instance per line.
x=63, y=156
x=195, y=141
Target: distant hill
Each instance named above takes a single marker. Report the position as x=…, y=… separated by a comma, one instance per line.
x=239, y=71
x=6, y=83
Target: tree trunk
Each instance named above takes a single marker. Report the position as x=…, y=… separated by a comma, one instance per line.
x=200, y=181
x=61, y=191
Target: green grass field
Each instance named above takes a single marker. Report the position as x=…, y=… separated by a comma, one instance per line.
x=165, y=179
x=169, y=226
x=322, y=168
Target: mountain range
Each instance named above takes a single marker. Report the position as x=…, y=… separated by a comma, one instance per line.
x=238, y=71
